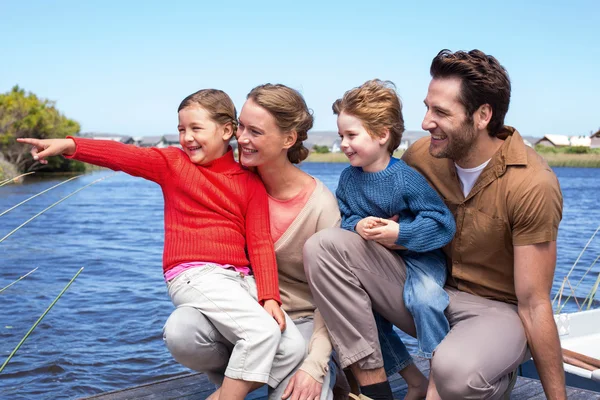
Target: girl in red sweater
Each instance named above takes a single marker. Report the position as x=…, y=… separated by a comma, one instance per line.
x=218, y=256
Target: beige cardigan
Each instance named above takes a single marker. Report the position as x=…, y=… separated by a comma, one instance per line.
x=320, y=212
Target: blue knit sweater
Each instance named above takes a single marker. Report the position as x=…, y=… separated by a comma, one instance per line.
x=425, y=222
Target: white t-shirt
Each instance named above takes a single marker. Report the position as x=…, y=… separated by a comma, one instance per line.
x=468, y=176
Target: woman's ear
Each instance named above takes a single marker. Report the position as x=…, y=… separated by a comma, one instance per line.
x=290, y=139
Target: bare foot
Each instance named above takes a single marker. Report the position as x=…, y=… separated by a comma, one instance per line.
x=417, y=383
x=432, y=393
x=215, y=395
x=416, y=392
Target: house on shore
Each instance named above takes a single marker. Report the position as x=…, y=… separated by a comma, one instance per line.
x=107, y=136
x=554, y=141
x=595, y=140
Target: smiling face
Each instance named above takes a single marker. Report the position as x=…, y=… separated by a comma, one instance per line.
x=202, y=139
x=362, y=149
x=260, y=140
x=453, y=134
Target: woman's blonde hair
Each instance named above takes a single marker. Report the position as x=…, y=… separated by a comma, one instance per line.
x=378, y=106
x=217, y=103
x=290, y=111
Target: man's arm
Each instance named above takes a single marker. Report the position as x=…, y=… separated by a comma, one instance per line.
x=534, y=272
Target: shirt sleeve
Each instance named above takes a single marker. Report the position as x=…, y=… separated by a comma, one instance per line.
x=145, y=162
x=260, y=244
x=349, y=219
x=316, y=363
x=536, y=209
x=433, y=225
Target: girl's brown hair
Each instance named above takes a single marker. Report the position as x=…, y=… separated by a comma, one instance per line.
x=290, y=111
x=378, y=106
x=217, y=103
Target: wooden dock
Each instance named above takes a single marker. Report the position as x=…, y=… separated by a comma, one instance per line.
x=196, y=386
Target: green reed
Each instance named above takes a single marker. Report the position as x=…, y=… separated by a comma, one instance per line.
x=589, y=298
x=39, y=320
x=39, y=194
x=15, y=179
x=23, y=277
x=52, y=205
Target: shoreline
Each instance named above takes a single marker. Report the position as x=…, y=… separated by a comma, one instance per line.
x=553, y=159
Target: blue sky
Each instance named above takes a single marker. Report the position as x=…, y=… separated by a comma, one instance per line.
x=124, y=66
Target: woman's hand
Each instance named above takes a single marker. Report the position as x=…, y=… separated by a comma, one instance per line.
x=43, y=148
x=274, y=310
x=302, y=386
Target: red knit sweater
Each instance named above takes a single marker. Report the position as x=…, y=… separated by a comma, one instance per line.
x=216, y=212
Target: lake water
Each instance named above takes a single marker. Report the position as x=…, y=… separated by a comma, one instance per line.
x=105, y=333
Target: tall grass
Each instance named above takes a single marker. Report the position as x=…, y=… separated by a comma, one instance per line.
x=39, y=320
x=53, y=205
x=572, y=290
x=22, y=277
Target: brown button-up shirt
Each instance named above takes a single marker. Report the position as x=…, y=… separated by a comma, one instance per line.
x=516, y=201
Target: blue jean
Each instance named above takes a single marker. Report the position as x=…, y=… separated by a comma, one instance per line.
x=394, y=352
x=425, y=297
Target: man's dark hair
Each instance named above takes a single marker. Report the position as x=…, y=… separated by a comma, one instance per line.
x=483, y=81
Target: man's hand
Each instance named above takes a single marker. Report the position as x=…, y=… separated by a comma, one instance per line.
x=302, y=386
x=43, y=148
x=273, y=308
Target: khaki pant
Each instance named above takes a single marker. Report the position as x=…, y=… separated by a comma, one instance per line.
x=349, y=277
x=244, y=334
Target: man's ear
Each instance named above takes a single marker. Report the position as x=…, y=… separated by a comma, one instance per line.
x=290, y=139
x=483, y=116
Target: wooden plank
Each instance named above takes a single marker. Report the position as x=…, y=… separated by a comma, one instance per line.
x=196, y=386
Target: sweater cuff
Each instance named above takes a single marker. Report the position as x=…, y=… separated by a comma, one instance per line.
x=316, y=371
x=72, y=156
x=405, y=235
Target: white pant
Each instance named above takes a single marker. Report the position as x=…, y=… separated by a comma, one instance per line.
x=228, y=299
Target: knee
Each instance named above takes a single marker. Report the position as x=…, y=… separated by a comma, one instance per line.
x=190, y=338
x=320, y=247
x=455, y=377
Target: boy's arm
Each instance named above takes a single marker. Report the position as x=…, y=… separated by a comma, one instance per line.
x=433, y=226
x=259, y=242
x=349, y=219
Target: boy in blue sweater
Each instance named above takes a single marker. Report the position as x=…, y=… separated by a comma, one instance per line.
x=382, y=199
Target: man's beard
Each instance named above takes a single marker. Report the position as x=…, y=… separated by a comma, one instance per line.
x=460, y=142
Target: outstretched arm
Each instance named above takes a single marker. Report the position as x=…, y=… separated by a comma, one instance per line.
x=148, y=163
x=534, y=272
x=44, y=148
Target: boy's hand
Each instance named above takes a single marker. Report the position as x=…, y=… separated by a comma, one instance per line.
x=366, y=223
x=272, y=307
x=43, y=148
x=383, y=231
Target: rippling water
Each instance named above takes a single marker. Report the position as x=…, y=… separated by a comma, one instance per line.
x=105, y=332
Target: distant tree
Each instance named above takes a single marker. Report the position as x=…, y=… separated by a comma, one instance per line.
x=23, y=114
x=320, y=149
